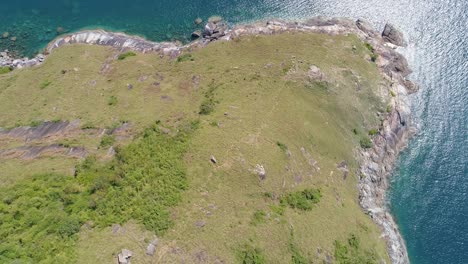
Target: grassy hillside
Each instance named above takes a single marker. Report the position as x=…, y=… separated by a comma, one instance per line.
x=233, y=153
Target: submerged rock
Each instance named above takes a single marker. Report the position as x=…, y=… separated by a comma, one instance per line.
x=198, y=21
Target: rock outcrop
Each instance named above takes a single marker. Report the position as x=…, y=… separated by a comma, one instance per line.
x=393, y=35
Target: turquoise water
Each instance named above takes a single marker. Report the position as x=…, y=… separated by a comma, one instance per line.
x=429, y=195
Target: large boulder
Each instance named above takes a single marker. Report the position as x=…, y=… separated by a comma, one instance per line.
x=214, y=30
x=124, y=256
x=393, y=35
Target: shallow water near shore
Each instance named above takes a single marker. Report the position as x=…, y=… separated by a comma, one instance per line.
x=430, y=186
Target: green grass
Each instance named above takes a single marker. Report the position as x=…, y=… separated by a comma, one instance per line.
x=125, y=55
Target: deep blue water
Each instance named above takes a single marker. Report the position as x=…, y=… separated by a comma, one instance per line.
x=429, y=195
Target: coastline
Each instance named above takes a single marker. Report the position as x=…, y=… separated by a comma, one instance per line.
x=376, y=163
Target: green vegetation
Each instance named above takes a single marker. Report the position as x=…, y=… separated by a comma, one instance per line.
x=40, y=217
x=185, y=57
x=251, y=255
x=373, y=132
x=107, y=141
x=365, y=142
x=259, y=217
x=125, y=55
x=44, y=84
x=208, y=104
x=351, y=252
x=4, y=70
x=282, y=146
x=373, y=55
x=389, y=108
x=303, y=200
x=392, y=93
x=112, y=100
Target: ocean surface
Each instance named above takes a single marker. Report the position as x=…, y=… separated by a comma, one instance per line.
x=429, y=194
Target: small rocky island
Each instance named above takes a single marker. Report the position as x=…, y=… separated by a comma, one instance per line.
x=259, y=143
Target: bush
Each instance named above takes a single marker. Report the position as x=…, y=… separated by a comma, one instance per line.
x=251, y=255
x=351, y=252
x=44, y=84
x=4, y=70
x=365, y=142
x=282, y=146
x=107, y=141
x=185, y=57
x=373, y=132
x=125, y=55
x=207, y=107
x=303, y=200
x=208, y=104
x=112, y=100
x=259, y=217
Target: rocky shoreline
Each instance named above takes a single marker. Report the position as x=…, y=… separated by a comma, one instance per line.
x=376, y=163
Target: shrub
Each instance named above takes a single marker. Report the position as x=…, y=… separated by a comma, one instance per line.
x=251, y=255
x=185, y=57
x=208, y=104
x=35, y=123
x=351, y=252
x=107, y=141
x=207, y=107
x=297, y=257
x=125, y=55
x=4, y=70
x=389, y=108
x=373, y=132
x=392, y=93
x=44, y=84
x=303, y=200
x=258, y=218
x=365, y=142
x=112, y=100
x=282, y=146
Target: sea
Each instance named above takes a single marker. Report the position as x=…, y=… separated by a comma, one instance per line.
x=429, y=191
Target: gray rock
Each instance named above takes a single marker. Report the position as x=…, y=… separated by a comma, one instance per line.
x=393, y=35
x=125, y=256
x=151, y=249
x=366, y=27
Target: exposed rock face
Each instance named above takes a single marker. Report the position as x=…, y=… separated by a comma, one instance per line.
x=366, y=27
x=44, y=130
x=393, y=35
